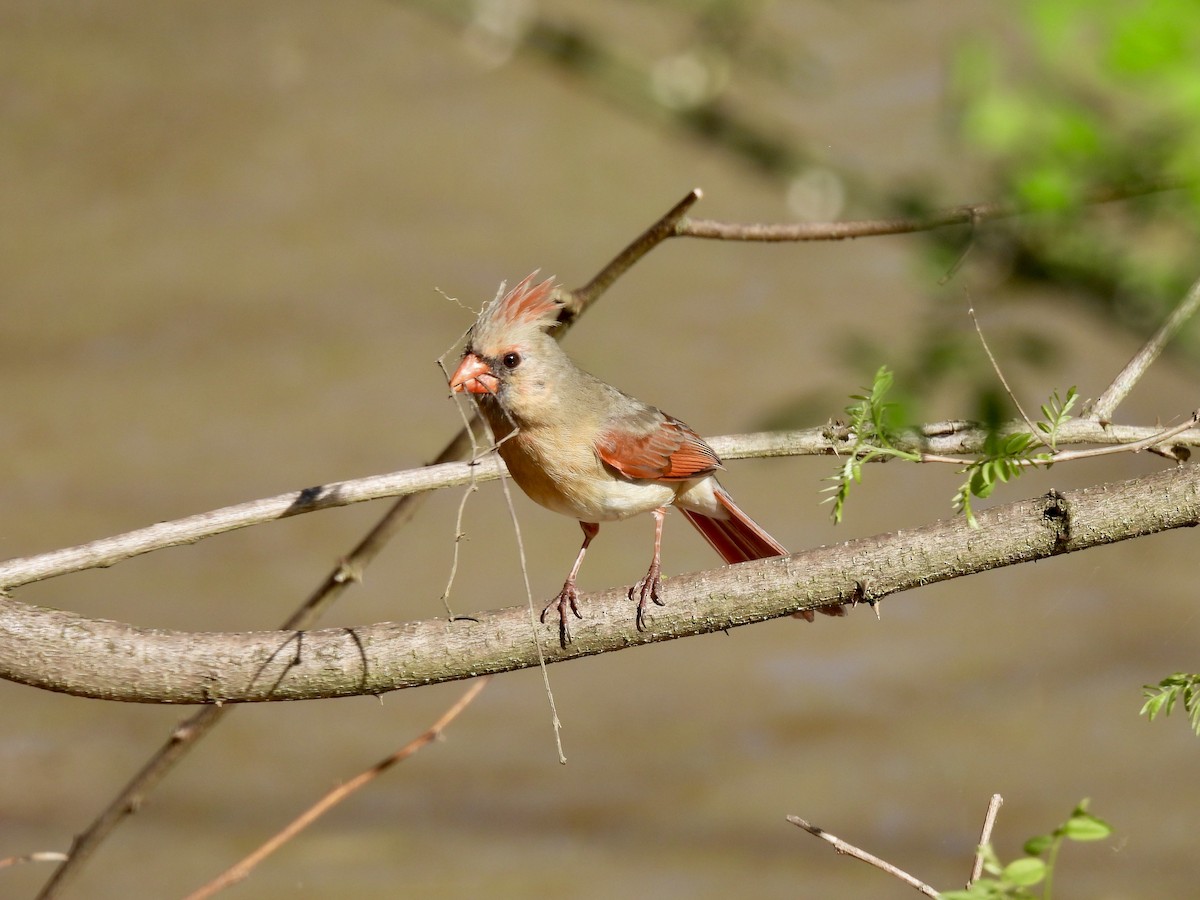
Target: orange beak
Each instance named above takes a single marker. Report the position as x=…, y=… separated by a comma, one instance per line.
x=474, y=376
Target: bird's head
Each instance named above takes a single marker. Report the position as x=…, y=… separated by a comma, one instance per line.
x=509, y=351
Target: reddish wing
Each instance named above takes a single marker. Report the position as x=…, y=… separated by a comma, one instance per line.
x=662, y=450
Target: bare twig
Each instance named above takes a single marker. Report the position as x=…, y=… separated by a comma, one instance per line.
x=1146, y=443
x=238, y=872
x=667, y=226
x=1129, y=376
x=931, y=439
x=848, y=849
x=110, y=550
x=534, y=630
x=944, y=438
x=39, y=856
x=555, y=722
x=1149, y=442
x=969, y=213
x=1004, y=381
x=985, y=836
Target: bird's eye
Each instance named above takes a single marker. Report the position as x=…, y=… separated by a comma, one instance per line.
x=511, y=360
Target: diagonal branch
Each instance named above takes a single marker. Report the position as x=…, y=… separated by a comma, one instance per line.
x=1129, y=376
x=848, y=849
x=65, y=652
x=247, y=865
x=346, y=572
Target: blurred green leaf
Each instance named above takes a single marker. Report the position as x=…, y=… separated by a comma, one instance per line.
x=1025, y=872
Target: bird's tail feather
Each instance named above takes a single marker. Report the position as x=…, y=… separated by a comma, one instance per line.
x=740, y=539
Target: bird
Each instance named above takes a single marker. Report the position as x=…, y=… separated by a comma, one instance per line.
x=578, y=446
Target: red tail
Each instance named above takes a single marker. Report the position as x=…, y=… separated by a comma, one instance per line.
x=740, y=539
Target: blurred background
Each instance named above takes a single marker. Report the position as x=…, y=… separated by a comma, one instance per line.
x=229, y=242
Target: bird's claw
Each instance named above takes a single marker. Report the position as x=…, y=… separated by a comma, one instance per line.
x=567, y=599
x=646, y=590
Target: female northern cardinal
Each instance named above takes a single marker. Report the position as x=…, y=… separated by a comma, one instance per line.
x=580, y=447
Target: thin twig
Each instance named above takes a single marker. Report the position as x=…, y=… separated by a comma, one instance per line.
x=1147, y=443
x=850, y=850
x=945, y=438
x=1004, y=381
x=985, y=836
x=1103, y=409
x=555, y=722
x=956, y=215
x=534, y=630
x=667, y=226
x=38, y=856
x=238, y=872
x=962, y=256
x=472, y=488
x=1059, y=456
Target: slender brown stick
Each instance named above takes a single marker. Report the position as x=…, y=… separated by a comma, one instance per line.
x=1004, y=381
x=985, y=836
x=1103, y=408
x=238, y=872
x=37, y=856
x=967, y=214
x=667, y=226
x=850, y=850
x=110, y=550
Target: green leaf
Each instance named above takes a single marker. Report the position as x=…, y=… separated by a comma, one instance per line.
x=1018, y=443
x=1038, y=845
x=1026, y=871
x=1162, y=697
x=1083, y=826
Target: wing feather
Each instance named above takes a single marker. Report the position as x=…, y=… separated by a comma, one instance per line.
x=661, y=449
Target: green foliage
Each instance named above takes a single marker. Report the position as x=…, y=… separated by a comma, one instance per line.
x=873, y=426
x=1016, y=880
x=1006, y=456
x=1055, y=414
x=1083, y=97
x=874, y=429
x=1162, y=697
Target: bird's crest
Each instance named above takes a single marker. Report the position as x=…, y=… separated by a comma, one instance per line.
x=526, y=305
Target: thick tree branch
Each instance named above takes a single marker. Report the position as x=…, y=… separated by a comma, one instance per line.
x=62, y=651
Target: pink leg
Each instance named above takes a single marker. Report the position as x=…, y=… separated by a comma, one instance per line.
x=647, y=588
x=568, y=596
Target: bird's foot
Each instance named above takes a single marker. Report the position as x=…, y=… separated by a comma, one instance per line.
x=566, y=600
x=645, y=591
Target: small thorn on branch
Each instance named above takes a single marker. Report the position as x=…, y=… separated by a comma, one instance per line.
x=348, y=573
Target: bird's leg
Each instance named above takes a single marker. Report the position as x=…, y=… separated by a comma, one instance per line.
x=647, y=588
x=568, y=596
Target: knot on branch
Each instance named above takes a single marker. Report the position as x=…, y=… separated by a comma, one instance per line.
x=1057, y=515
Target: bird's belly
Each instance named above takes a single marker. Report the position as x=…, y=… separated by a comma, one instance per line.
x=580, y=486
x=620, y=500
